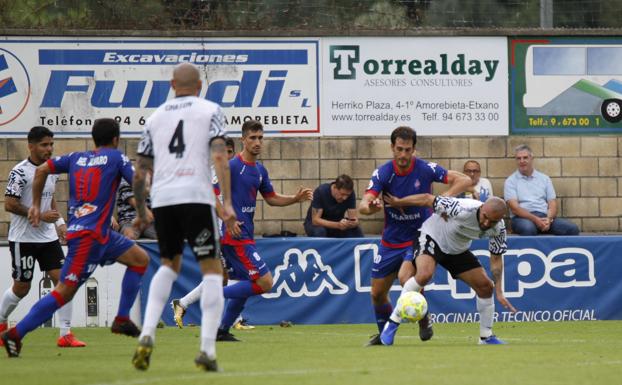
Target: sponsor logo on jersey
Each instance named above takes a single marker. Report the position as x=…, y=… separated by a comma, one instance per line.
x=84, y=210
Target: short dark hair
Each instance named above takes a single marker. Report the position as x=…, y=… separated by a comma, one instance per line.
x=37, y=133
x=229, y=142
x=104, y=131
x=251, y=126
x=344, y=182
x=404, y=133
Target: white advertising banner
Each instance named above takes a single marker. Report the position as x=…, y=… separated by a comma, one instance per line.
x=67, y=83
x=436, y=85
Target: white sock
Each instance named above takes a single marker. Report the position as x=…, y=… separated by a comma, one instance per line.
x=486, y=309
x=192, y=297
x=159, y=291
x=8, y=303
x=212, y=305
x=64, y=318
x=411, y=285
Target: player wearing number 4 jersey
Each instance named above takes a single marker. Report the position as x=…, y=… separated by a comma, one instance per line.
x=179, y=143
x=93, y=180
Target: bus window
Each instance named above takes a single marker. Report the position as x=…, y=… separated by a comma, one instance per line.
x=559, y=61
x=604, y=61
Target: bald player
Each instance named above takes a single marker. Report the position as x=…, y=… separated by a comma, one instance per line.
x=181, y=142
x=445, y=240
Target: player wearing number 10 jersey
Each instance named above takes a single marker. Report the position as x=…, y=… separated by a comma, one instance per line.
x=93, y=180
x=181, y=140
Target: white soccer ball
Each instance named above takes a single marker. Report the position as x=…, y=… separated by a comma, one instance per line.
x=412, y=306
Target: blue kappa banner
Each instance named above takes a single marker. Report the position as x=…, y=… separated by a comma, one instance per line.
x=319, y=281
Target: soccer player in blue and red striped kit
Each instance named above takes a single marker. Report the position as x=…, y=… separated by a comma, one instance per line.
x=94, y=177
x=404, y=175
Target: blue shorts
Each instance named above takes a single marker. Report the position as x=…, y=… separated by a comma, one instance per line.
x=85, y=253
x=243, y=262
x=389, y=260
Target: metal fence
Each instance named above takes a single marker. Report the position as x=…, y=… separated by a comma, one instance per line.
x=308, y=15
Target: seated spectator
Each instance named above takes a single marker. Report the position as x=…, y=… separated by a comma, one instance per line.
x=481, y=186
x=126, y=212
x=333, y=212
x=532, y=200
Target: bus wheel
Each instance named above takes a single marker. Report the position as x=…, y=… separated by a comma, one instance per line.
x=612, y=110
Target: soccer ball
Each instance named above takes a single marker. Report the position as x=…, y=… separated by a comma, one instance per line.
x=412, y=306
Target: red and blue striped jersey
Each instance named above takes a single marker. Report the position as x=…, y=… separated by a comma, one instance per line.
x=246, y=180
x=401, y=225
x=94, y=177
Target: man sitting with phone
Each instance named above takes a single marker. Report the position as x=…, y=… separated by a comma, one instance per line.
x=332, y=213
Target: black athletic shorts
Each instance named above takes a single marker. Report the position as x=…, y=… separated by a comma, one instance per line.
x=49, y=255
x=455, y=264
x=193, y=222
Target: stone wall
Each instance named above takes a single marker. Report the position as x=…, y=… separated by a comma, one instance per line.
x=586, y=171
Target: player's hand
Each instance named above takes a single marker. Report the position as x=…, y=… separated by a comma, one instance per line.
x=504, y=301
x=34, y=216
x=230, y=221
x=62, y=233
x=50, y=216
x=375, y=205
x=114, y=224
x=304, y=194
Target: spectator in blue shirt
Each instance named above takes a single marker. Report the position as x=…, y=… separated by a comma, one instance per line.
x=333, y=212
x=532, y=201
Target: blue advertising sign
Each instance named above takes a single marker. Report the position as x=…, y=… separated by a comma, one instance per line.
x=318, y=281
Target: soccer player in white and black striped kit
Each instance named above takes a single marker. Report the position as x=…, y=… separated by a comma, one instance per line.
x=180, y=142
x=29, y=244
x=445, y=240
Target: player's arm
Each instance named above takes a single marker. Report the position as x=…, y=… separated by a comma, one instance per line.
x=14, y=206
x=370, y=204
x=218, y=150
x=424, y=200
x=144, y=167
x=458, y=183
x=276, y=199
x=38, y=183
x=61, y=227
x=496, y=268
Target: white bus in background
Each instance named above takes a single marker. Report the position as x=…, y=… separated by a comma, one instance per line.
x=551, y=70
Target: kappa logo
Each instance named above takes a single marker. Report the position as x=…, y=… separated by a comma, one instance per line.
x=304, y=274
x=14, y=87
x=344, y=57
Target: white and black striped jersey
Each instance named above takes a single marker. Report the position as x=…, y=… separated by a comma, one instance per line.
x=460, y=226
x=177, y=136
x=19, y=186
x=126, y=212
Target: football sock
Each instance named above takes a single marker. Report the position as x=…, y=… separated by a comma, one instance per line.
x=382, y=312
x=411, y=285
x=64, y=318
x=159, y=291
x=486, y=309
x=129, y=289
x=8, y=303
x=212, y=303
x=192, y=297
x=242, y=289
x=232, y=312
x=42, y=311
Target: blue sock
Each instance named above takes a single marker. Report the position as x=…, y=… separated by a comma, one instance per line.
x=241, y=290
x=129, y=290
x=232, y=311
x=383, y=312
x=42, y=311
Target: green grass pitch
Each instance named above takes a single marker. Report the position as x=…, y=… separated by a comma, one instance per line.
x=538, y=353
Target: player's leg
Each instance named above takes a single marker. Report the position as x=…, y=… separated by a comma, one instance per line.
x=125, y=251
x=254, y=278
x=22, y=262
x=168, y=222
x=80, y=262
x=467, y=268
x=201, y=230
